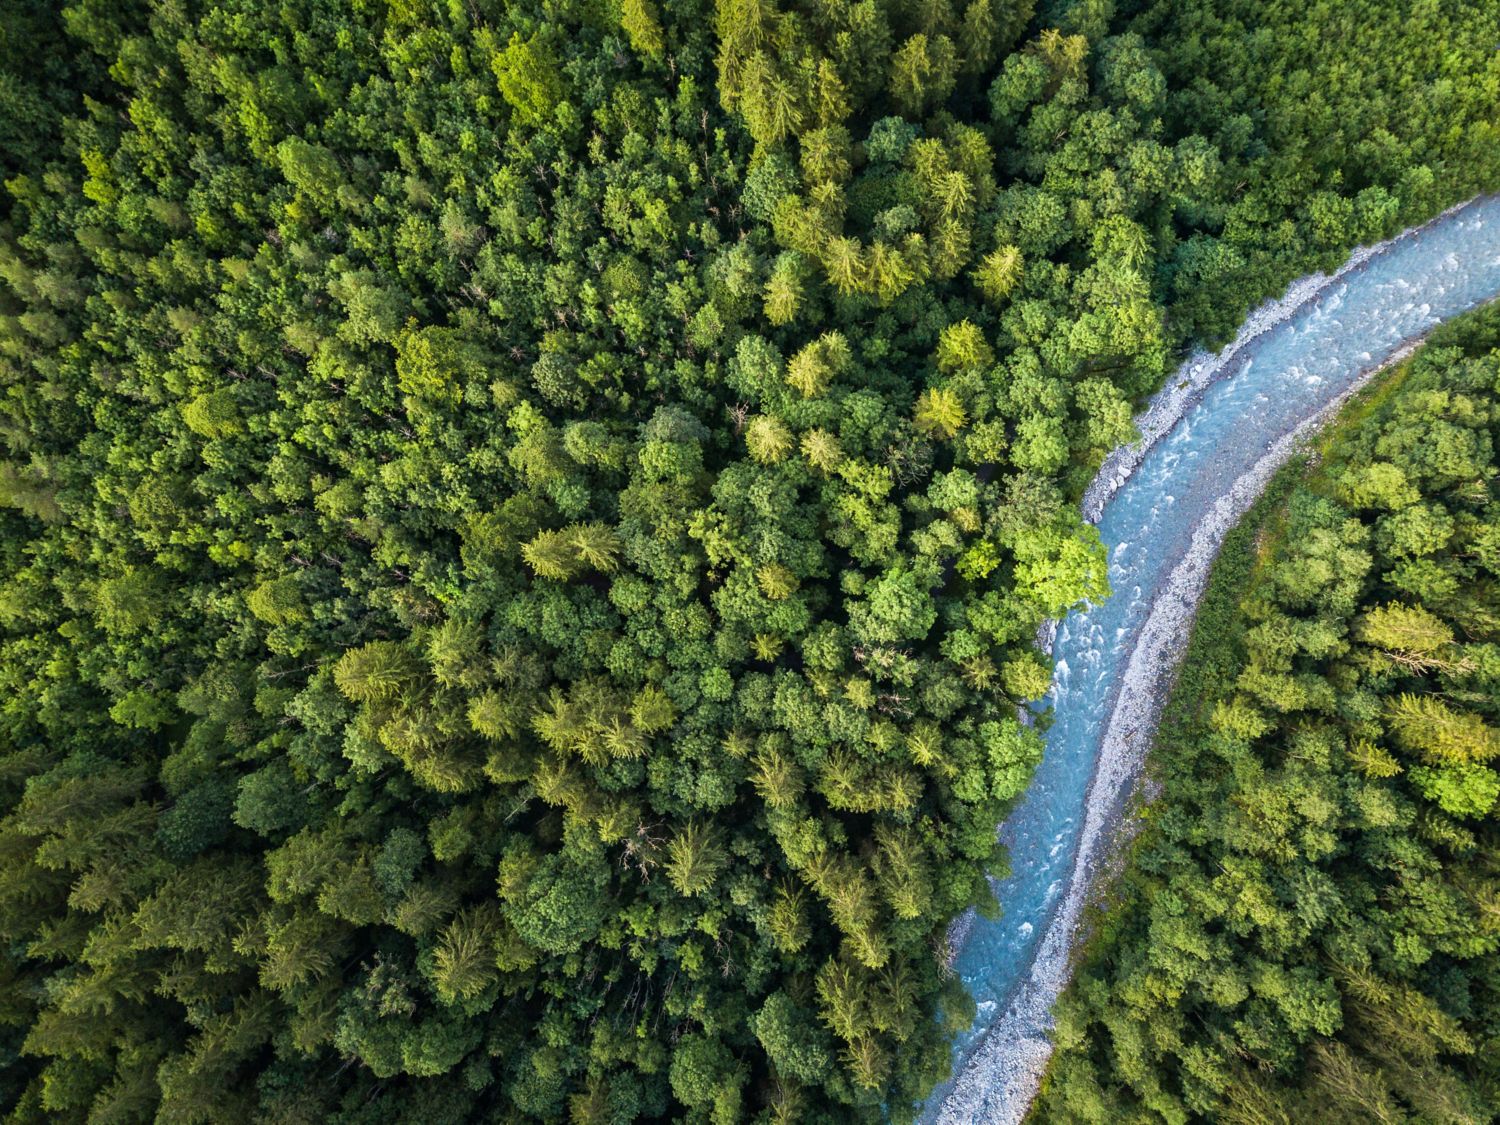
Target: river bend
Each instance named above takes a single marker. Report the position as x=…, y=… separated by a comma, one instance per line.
x=1212, y=438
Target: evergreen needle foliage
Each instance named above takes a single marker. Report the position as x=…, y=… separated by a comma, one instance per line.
x=1308, y=927
x=522, y=522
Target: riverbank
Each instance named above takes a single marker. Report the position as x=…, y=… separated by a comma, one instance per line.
x=1212, y=638
x=1276, y=771
x=1185, y=389
x=1212, y=655
x=1004, y=1063
x=1139, y=703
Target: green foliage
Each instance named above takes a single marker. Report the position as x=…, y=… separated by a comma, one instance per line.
x=522, y=527
x=1315, y=886
x=528, y=78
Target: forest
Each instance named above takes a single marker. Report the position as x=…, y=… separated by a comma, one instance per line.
x=523, y=528
x=1309, y=929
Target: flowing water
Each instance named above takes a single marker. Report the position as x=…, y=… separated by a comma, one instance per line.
x=1211, y=440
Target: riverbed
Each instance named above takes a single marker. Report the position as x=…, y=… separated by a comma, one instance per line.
x=1211, y=439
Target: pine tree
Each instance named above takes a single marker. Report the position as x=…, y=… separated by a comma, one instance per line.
x=831, y=101
x=694, y=859
x=922, y=73
x=1429, y=726
x=590, y=1106
x=822, y=450
x=1409, y=636
x=652, y=710
x=497, y=715
x=807, y=373
x=768, y=439
x=784, y=112
x=767, y=646
x=962, y=347
x=777, y=779
x=825, y=155
x=464, y=960
x=924, y=742
x=940, y=412
x=1347, y=1081
x=783, y=290
x=454, y=653
x=378, y=672
x=903, y=875
x=841, y=994
x=868, y=1062
x=552, y=554
x=301, y=945
x=788, y=920
x=891, y=271
x=624, y=740
x=776, y=581
x=844, y=261
x=596, y=546
x=998, y=273
x=639, y=22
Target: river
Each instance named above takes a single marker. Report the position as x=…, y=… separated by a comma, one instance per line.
x=1211, y=440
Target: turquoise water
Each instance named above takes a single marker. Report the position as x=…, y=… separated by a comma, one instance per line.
x=1276, y=381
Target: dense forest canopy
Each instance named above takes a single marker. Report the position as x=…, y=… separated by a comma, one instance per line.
x=523, y=525
x=1310, y=926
